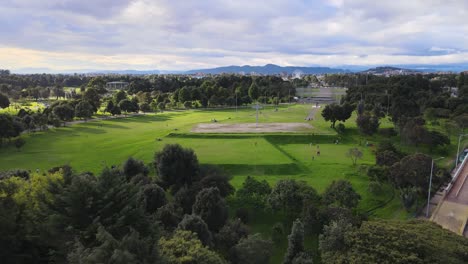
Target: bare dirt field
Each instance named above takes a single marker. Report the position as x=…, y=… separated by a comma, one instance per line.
x=250, y=127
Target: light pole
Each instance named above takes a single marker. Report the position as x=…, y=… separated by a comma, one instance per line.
x=458, y=149
x=430, y=185
x=236, y=101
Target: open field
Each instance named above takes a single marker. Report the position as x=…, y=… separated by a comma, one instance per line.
x=93, y=145
x=271, y=156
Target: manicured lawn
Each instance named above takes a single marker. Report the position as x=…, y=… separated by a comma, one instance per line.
x=93, y=145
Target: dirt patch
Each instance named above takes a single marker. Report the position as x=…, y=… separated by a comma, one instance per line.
x=251, y=127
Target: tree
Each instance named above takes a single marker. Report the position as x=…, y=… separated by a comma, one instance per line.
x=334, y=112
x=252, y=186
x=92, y=96
x=169, y=216
x=303, y=258
x=254, y=92
x=132, y=167
x=231, y=233
x=354, y=154
x=386, y=158
x=58, y=91
x=176, y=166
x=197, y=226
x=341, y=193
x=414, y=171
x=4, y=101
x=184, y=95
x=413, y=130
x=253, y=192
x=290, y=196
x=132, y=248
x=295, y=242
x=211, y=207
x=161, y=106
x=145, y=107
x=19, y=143
x=127, y=106
x=64, y=112
x=185, y=198
x=399, y=242
x=408, y=197
x=97, y=82
x=184, y=247
x=252, y=250
x=309, y=217
x=214, y=176
x=154, y=198
x=84, y=110
x=110, y=106
x=115, y=110
x=119, y=96
x=367, y=124
x=434, y=139
x=333, y=240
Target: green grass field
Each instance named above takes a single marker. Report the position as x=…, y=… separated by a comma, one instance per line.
x=93, y=145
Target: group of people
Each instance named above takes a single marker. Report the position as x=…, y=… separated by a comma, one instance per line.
x=317, y=152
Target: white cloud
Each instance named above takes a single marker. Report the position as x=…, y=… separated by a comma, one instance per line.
x=164, y=34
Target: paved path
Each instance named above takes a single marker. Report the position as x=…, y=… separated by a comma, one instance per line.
x=312, y=114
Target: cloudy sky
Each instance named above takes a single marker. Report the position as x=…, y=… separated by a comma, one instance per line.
x=64, y=35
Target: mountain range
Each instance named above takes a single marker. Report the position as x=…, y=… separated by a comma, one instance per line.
x=269, y=69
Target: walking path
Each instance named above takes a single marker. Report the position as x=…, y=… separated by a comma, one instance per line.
x=312, y=114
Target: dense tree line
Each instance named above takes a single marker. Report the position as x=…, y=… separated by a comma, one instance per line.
x=188, y=91
x=410, y=96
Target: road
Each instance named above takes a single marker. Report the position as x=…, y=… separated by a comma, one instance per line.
x=459, y=191
x=452, y=211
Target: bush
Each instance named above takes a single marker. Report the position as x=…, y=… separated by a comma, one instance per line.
x=243, y=214
x=374, y=188
x=387, y=132
x=340, y=128
x=188, y=104
x=377, y=173
x=277, y=232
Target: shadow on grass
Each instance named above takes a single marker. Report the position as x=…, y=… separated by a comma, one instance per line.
x=107, y=125
x=262, y=169
x=142, y=119
x=212, y=136
x=86, y=129
x=305, y=139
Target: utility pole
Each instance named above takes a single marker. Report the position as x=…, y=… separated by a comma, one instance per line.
x=236, y=101
x=430, y=185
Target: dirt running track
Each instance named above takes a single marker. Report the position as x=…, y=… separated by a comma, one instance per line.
x=251, y=128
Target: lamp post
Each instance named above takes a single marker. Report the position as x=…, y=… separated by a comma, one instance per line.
x=458, y=149
x=430, y=185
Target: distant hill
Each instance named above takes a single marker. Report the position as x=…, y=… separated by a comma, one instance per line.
x=268, y=69
x=389, y=70
x=126, y=72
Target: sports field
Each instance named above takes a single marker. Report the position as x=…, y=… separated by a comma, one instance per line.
x=272, y=156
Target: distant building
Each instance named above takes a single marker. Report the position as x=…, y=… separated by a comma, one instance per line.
x=116, y=85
